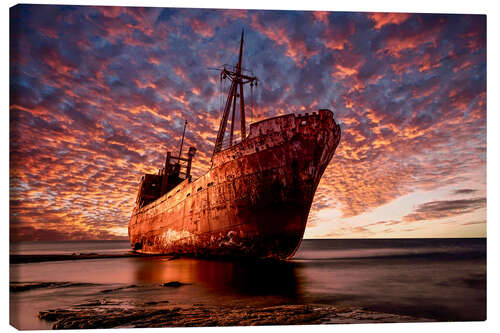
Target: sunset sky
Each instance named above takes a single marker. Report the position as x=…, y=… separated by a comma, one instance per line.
x=98, y=95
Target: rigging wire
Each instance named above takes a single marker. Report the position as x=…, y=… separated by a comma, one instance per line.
x=220, y=93
x=251, y=102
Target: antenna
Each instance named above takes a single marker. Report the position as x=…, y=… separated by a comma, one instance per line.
x=182, y=141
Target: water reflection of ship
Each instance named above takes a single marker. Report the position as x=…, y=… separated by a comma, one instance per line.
x=221, y=277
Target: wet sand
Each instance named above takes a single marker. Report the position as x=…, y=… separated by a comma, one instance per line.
x=202, y=315
x=109, y=310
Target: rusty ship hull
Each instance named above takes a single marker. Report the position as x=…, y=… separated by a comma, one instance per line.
x=255, y=199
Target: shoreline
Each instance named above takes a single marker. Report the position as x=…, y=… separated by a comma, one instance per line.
x=107, y=308
x=35, y=258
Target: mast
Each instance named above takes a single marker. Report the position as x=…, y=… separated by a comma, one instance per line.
x=242, y=113
x=182, y=141
x=238, y=80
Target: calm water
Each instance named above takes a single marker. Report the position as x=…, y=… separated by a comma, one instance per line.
x=442, y=279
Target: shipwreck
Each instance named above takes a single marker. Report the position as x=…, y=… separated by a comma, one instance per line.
x=255, y=198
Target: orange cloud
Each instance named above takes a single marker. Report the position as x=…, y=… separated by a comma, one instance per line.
x=382, y=19
x=342, y=72
x=321, y=16
x=202, y=28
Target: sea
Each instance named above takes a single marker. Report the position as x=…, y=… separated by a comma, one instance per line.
x=438, y=279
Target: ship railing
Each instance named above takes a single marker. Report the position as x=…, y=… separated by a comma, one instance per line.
x=225, y=142
x=179, y=158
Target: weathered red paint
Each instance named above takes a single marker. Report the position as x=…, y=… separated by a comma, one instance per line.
x=255, y=199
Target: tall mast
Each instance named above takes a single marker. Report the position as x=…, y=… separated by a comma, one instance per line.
x=238, y=79
x=241, y=52
x=242, y=99
x=182, y=141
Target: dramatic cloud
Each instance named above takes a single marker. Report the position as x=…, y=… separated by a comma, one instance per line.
x=98, y=95
x=382, y=19
x=464, y=191
x=440, y=209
